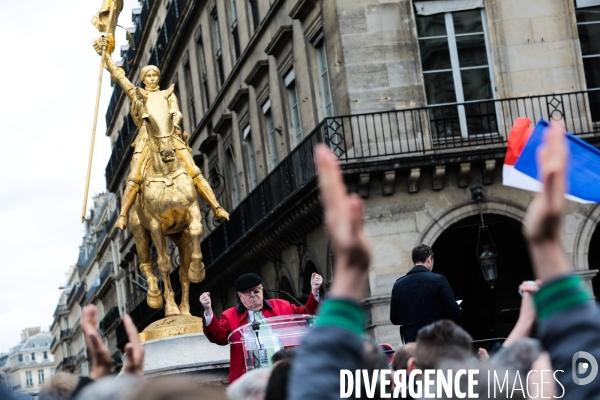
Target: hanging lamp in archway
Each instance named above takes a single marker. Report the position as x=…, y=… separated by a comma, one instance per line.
x=487, y=259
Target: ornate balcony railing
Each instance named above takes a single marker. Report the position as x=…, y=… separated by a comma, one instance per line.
x=398, y=134
x=111, y=317
x=60, y=309
x=66, y=334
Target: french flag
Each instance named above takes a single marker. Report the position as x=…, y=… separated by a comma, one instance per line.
x=520, y=164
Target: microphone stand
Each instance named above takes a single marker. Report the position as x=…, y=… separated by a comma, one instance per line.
x=256, y=328
x=309, y=316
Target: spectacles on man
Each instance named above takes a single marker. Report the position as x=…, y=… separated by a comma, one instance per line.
x=249, y=292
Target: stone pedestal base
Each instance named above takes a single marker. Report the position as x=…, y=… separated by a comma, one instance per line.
x=190, y=354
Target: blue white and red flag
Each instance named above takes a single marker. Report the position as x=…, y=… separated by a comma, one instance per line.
x=520, y=165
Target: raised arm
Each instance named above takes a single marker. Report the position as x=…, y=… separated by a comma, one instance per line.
x=116, y=73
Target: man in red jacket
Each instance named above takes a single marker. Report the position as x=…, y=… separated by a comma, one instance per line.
x=252, y=305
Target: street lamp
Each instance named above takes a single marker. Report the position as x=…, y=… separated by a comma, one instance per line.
x=488, y=260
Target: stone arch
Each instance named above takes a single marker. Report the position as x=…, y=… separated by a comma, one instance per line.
x=490, y=205
x=284, y=272
x=309, y=264
x=583, y=239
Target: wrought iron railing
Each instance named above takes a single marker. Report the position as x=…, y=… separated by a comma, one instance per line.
x=398, y=134
x=66, y=334
x=106, y=272
x=109, y=320
x=61, y=308
x=72, y=294
x=90, y=293
x=81, y=355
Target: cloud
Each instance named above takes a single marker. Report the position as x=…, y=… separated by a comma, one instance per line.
x=49, y=76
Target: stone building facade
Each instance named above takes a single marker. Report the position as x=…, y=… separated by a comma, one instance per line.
x=29, y=364
x=416, y=98
x=93, y=280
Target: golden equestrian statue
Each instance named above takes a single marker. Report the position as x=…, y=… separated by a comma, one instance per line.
x=166, y=177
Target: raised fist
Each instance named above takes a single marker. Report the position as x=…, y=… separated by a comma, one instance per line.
x=206, y=303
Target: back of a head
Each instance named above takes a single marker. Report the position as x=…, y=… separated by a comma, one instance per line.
x=175, y=388
x=283, y=354
x=440, y=341
x=421, y=253
x=251, y=385
x=519, y=356
x=278, y=382
x=110, y=388
x=60, y=387
x=401, y=356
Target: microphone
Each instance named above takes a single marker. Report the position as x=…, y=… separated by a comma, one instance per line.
x=291, y=297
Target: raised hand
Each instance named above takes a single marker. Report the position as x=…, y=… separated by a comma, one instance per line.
x=206, y=303
x=316, y=281
x=101, y=359
x=544, y=215
x=134, y=351
x=344, y=221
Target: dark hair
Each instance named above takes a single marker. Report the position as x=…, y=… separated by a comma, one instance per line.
x=278, y=382
x=420, y=253
x=401, y=356
x=282, y=354
x=440, y=341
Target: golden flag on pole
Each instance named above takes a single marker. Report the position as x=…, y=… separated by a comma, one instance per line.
x=105, y=21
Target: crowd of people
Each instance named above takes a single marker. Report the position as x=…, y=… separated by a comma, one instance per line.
x=337, y=350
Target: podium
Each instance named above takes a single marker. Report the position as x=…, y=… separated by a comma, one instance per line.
x=262, y=338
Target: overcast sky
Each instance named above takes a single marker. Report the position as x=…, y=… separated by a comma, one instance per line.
x=48, y=75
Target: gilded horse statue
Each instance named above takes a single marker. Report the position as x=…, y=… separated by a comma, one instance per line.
x=167, y=206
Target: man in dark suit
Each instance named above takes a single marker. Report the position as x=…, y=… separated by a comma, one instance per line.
x=421, y=297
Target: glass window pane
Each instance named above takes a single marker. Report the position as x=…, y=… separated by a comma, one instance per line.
x=439, y=88
x=471, y=51
x=588, y=14
x=467, y=21
x=432, y=25
x=435, y=54
x=476, y=84
x=588, y=36
x=591, y=67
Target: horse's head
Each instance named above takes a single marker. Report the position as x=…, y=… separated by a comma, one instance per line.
x=154, y=110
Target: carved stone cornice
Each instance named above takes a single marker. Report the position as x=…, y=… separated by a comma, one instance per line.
x=260, y=69
x=281, y=38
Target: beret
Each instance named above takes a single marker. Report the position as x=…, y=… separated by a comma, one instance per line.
x=247, y=281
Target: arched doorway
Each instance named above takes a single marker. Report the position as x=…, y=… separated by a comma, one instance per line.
x=487, y=313
x=594, y=260
x=286, y=285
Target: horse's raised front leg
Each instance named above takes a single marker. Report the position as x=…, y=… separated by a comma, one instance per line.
x=164, y=266
x=194, y=218
x=142, y=243
x=184, y=244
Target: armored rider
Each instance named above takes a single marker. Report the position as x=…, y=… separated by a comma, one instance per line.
x=150, y=75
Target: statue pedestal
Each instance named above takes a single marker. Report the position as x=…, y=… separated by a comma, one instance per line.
x=187, y=354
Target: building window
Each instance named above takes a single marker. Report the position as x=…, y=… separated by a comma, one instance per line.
x=28, y=378
x=455, y=62
x=296, y=124
x=218, y=47
x=270, y=133
x=32, y=356
x=203, y=74
x=234, y=29
x=189, y=86
x=231, y=167
x=45, y=355
x=324, y=79
x=26, y=359
x=250, y=152
x=588, y=26
x=254, y=12
x=20, y=357
x=41, y=376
